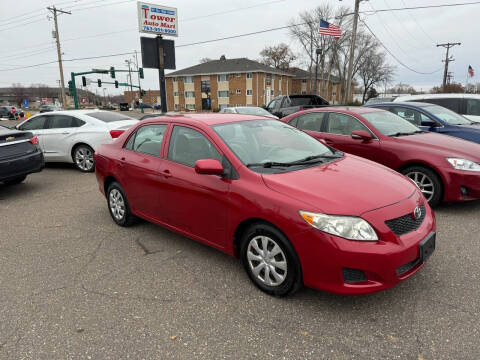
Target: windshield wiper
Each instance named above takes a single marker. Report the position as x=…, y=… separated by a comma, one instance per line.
x=402, y=134
x=304, y=161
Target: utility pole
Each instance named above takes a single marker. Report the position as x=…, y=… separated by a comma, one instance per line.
x=54, y=11
x=352, y=51
x=139, y=86
x=447, y=60
x=130, y=76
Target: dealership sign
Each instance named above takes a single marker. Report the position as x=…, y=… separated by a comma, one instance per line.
x=157, y=19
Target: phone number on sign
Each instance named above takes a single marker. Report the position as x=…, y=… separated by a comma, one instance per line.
x=157, y=29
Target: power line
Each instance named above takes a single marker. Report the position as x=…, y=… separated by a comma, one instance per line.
x=418, y=23
x=420, y=7
x=392, y=55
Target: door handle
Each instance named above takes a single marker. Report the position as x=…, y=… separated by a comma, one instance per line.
x=166, y=173
x=65, y=133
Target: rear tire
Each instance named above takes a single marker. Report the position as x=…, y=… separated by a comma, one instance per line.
x=270, y=260
x=83, y=158
x=428, y=181
x=118, y=206
x=16, y=181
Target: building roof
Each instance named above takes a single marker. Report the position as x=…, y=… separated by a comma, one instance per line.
x=304, y=74
x=227, y=66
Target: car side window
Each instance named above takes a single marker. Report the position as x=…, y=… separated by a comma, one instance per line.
x=60, y=121
x=342, y=124
x=311, y=122
x=452, y=103
x=36, y=123
x=272, y=105
x=188, y=145
x=148, y=140
x=473, y=107
x=411, y=115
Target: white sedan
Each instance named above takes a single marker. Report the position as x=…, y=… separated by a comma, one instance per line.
x=73, y=136
x=248, y=110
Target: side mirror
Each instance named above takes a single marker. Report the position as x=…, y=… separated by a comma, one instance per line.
x=209, y=167
x=361, y=135
x=429, y=123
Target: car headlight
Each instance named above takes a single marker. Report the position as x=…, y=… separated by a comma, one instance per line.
x=464, y=164
x=348, y=227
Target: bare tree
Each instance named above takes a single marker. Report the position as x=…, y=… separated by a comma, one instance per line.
x=373, y=69
x=18, y=93
x=449, y=88
x=401, y=88
x=278, y=56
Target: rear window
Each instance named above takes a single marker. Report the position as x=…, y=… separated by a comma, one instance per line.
x=107, y=116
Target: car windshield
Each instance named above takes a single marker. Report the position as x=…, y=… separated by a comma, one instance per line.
x=107, y=116
x=447, y=115
x=253, y=111
x=390, y=124
x=271, y=143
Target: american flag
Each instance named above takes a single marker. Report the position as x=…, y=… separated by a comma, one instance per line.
x=329, y=29
x=470, y=71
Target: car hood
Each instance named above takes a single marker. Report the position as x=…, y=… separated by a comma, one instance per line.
x=475, y=118
x=349, y=186
x=443, y=144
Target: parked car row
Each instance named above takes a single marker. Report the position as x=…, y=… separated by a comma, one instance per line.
x=334, y=198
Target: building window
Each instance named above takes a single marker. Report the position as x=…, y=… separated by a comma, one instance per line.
x=271, y=92
x=304, y=92
x=334, y=94
x=189, y=94
x=238, y=75
x=175, y=93
x=304, y=81
x=222, y=78
x=249, y=75
x=190, y=106
x=249, y=92
x=174, y=79
x=222, y=106
x=188, y=79
x=239, y=92
x=268, y=79
x=205, y=86
x=238, y=105
x=175, y=106
x=223, y=94
x=273, y=77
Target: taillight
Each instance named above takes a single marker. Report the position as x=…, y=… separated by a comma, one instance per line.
x=116, y=133
x=34, y=140
x=94, y=156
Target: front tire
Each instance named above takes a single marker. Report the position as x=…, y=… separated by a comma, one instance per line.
x=118, y=206
x=428, y=181
x=83, y=158
x=270, y=260
x=16, y=181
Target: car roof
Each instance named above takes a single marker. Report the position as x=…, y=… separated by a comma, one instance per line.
x=345, y=109
x=404, y=103
x=440, y=96
x=205, y=119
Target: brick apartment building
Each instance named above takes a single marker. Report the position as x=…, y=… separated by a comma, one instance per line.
x=234, y=82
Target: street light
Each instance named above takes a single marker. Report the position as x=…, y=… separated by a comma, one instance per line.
x=104, y=97
x=317, y=52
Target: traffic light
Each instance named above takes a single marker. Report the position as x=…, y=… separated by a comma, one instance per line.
x=99, y=82
x=116, y=84
x=140, y=72
x=70, y=87
x=84, y=81
x=112, y=72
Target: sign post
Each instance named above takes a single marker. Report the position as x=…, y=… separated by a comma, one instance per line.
x=158, y=53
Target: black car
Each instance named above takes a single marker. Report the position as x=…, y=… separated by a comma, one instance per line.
x=124, y=107
x=6, y=112
x=284, y=105
x=20, y=155
x=47, y=108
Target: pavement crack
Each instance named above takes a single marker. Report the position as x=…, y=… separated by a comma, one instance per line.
x=146, y=250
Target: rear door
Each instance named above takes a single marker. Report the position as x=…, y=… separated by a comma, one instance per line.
x=140, y=166
x=338, y=134
x=59, y=135
x=311, y=123
x=37, y=126
x=416, y=117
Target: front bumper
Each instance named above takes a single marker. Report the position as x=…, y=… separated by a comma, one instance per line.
x=461, y=185
x=20, y=166
x=327, y=259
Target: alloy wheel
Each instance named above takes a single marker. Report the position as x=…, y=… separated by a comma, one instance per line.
x=424, y=183
x=84, y=158
x=117, y=204
x=267, y=260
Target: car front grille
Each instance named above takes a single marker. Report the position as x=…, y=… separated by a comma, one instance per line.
x=406, y=223
x=351, y=276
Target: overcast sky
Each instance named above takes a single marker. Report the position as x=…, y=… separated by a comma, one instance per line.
x=94, y=29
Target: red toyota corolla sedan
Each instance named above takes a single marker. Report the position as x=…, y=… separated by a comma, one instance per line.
x=294, y=210
x=444, y=167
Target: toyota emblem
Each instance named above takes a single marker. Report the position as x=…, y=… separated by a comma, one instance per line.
x=10, y=138
x=417, y=213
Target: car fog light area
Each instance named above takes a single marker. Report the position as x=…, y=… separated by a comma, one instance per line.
x=348, y=227
x=463, y=164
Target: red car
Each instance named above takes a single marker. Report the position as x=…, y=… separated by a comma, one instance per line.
x=294, y=210
x=444, y=167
